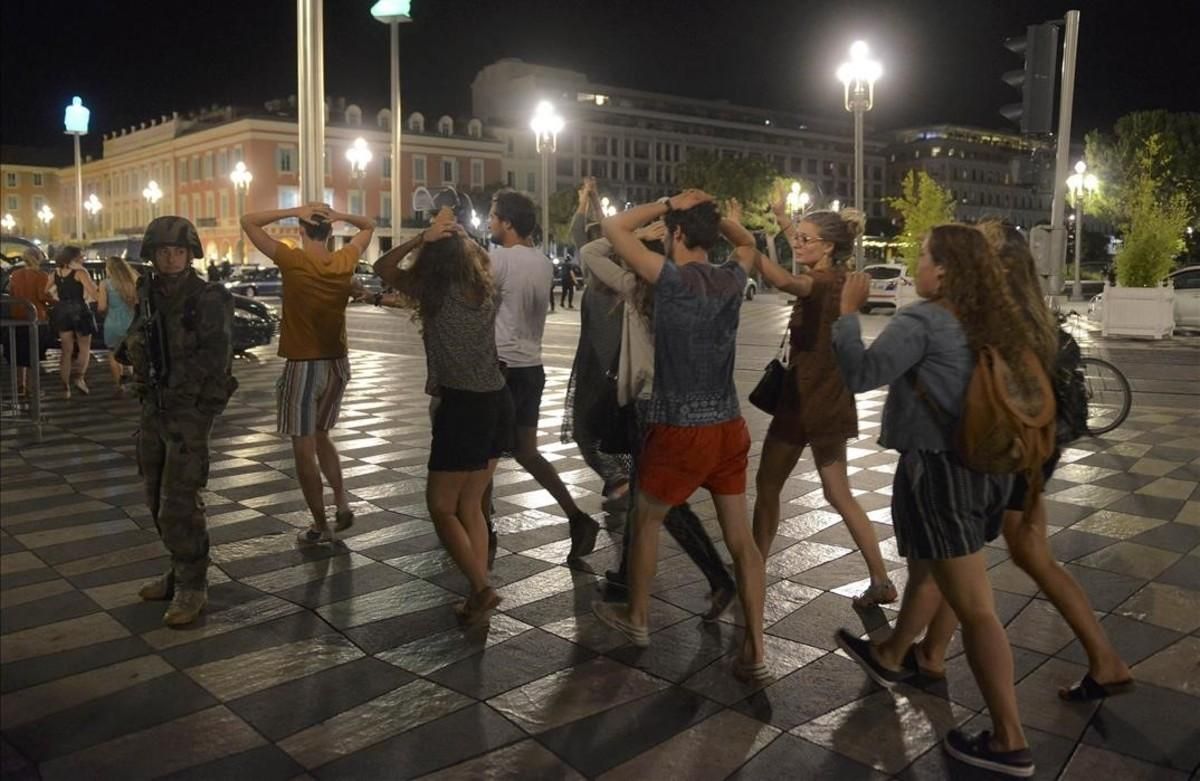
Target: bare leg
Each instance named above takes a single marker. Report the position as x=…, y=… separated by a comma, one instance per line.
x=920, y=603
x=1031, y=552
x=837, y=492
x=67, y=348
x=964, y=583
x=931, y=652
x=540, y=469
x=331, y=467
x=115, y=369
x=470, y=512
x=748, y=568
x=304, y=452
x=85, y=355
x=445, y=496
x=778, y=461
x=643, y=556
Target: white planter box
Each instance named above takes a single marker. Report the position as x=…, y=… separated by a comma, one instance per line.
x=1138, y=311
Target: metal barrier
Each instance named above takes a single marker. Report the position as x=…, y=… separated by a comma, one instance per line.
x=11, y=325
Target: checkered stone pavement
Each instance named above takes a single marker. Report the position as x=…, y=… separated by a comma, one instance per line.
x=346, y=661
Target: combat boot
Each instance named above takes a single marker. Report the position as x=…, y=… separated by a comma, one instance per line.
x=158, y=589
x=185, y=607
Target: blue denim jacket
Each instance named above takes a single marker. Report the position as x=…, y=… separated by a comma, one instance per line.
x=927, y=339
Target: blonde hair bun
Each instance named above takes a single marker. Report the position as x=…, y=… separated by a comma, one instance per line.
x=855, y=221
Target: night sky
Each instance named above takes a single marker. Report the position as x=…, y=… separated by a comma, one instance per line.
x=135, y=59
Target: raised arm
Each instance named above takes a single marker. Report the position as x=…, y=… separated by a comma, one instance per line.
x=745, y=250
x=900, y=347
x=366, y=229
x=619, y=229
x=800, y=285
x=254, y=223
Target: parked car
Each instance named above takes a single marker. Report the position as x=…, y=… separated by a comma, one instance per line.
x=251, y=281
x=751, y=288
x=1187, y=298
x=886, y=280
x=365, y=275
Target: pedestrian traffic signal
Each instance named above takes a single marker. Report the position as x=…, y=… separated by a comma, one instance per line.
x=1039, y=45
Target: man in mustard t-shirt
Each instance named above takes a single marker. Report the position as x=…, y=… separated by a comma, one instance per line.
x=317, y=286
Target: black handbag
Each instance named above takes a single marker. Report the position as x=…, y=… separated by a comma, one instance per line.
x=767, y=392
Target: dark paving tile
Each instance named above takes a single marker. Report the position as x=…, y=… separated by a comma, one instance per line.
x=1165, y=453
x=70, y=551
x=146, y=705
x=40, y=669
x=245, y=530
x=343, y=585
x=26, y=578
x=960, y=686
x=605, y=740
x=1184, y=573
x=1187, y=472
x=393, y=550
x=290, y=707
x=9, y=544
x=65, y=520
x=1008, y=605
x=1109, y=461
x=380, y=635
x=555, y=608
x=245, y=567
x=147, y=568
x=1125, y=481
x=1105, y=589
x=1134, y=640
x=1050, y=755
x=1065, y=513
x=1150, y=723
x=142, y=617
x=265, y=763
x=507, y=569
x=1176, y=537
x=680, y=650
x=1069, y=544
x=289, y=629
x=449, y=740
x=522, y=659
x=1148, y=506
x=815, y=623
x=789, y=758
x=815, y=689
x=59, y=607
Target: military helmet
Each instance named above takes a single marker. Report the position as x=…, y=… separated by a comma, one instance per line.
x=170, y=231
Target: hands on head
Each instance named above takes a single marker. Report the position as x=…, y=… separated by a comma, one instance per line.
x=310, y=212
x=443, y=226
x=655, y=231
x=689, y=198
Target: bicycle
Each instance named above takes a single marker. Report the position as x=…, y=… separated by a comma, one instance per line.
x=1109, y=394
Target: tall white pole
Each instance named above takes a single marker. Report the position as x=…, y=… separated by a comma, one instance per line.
x=397, y=128
x=310, y=72
x=241, y=242
x=78, y=192
x=1077, y=287
x=546, y=198
x=1058, y=232
x=858, y=179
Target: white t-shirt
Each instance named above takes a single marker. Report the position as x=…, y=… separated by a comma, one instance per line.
x=523, y=277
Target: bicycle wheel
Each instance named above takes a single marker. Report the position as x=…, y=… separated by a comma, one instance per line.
x=1109, y=395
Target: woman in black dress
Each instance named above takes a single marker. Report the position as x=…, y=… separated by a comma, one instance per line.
x=71, y=289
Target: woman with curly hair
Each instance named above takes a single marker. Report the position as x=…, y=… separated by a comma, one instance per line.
x=943, y=512
x=1025, y=534
x=449, y=288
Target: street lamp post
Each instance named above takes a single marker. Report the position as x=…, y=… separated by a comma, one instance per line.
x=546, y=125
x=1081, y=184
x=76, y=122
x=93, y=206
x=153, y=195
x=359, y=155
x=241, y=178
x=607, y=208
x=46, y=214
x=7, y=222
x=797, y=203
x=393, y=13
x=858, y=77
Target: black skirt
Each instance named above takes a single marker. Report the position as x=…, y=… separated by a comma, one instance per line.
x=76, y=316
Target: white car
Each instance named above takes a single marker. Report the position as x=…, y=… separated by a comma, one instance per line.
x=886, y=281
x=1187, y=299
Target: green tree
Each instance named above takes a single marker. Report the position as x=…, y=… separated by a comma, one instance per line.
x=562, y=209
x=922, y=205
x=1154, y=218
x=1117, y=159
x=748, y=179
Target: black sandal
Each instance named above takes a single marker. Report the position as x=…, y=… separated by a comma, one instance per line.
x=1089, y=689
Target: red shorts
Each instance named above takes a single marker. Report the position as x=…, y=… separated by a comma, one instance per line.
x=676, y=460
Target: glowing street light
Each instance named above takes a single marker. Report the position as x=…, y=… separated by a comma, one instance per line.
x=241, y=178
x=359, y=155
x=858, y=77
x=46, y=214
x=7, y=222
x=606, y=208
x=93, y=206
x=75, y=120
x=797, y=199
x=1081, y=184
x=153, y=195
x=546, y=125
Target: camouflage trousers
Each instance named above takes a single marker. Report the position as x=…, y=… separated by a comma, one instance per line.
x=173, y=460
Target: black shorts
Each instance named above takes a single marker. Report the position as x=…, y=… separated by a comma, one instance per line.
x=470, y=429
x=525, y=385
x=941, y=509
x=1016, y=499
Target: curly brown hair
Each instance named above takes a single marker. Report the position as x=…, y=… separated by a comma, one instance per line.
x=1012, y=252
x=451, y=265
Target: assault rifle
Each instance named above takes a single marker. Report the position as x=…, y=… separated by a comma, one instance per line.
x=158, y=364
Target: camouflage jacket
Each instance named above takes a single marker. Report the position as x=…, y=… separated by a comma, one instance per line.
x=194, y=321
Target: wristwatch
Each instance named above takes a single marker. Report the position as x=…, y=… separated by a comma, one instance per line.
x=666, y=201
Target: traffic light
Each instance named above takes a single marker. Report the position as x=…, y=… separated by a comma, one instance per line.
x=1039, y=45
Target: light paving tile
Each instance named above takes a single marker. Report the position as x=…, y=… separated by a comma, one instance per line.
x=400, y=710
x=518, y=762
x=394, y=533
x=12, y=496
x=26, y=705
x=525, y=521
x=803, y=556
x=906, y=723
x=429, y=654
x=1121, y=526
x=116, y=595
x=60, y=636
x=167, y=748
x=1090, y=763
x=1153, y=466
x=1088, y=495
x=251, y=548
x=574, y=693
x=1167, y=488
x=784, y=598
x=218, y=520
x=1131, y=558
x=238, y=676
x=586, y=630
x=256, y=611
x=542, y=585
x=1164, y=605
x=34, y=592
x=288, y=577
x=117, y=558
x=1078, y=473
x=710, y=751
x=387, y=603
x=534, y=500
x=782, y=657
x=75, y=533
x=1189, y=514
x=24, y=561
x=11, y=519
x=556, y=552
x=1175, y=667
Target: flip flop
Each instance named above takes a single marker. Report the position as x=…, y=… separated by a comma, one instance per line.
x=1089, y=689
x=754, y=674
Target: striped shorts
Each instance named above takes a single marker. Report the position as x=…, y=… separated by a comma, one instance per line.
x=941, y=509
x=308, y=396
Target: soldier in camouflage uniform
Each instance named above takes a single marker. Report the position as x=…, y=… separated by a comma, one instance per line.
x=180, y=347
